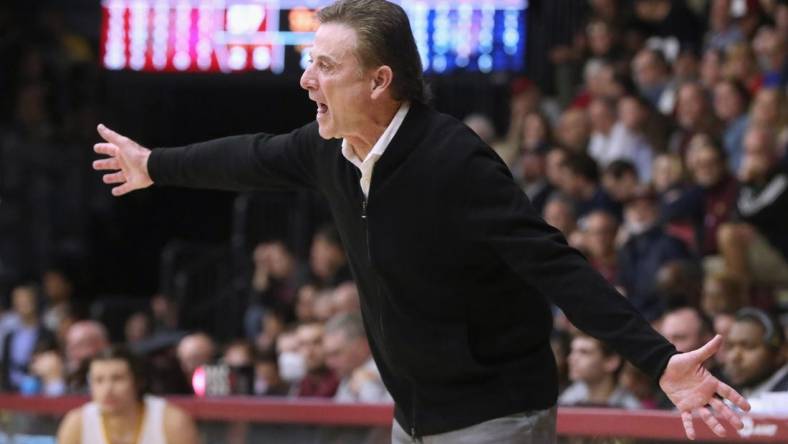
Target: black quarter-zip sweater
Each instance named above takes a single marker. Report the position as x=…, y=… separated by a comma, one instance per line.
x=455, y=268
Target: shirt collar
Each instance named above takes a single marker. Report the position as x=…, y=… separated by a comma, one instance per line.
x=383, y=141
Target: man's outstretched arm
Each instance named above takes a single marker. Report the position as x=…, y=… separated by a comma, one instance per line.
x=236, y=163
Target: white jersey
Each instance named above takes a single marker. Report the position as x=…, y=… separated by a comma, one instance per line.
x=152, y=431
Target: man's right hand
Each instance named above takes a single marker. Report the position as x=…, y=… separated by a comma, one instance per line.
x=127, y=159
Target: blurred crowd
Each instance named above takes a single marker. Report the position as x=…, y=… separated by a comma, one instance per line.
x=660, y=153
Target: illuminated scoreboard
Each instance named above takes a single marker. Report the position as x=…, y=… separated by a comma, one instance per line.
x=274, y=36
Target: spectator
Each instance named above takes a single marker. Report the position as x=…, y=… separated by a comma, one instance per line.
x=580, y=183
x=193, y=351
x=755, y=360
x=84, y=340
x=346, y=299
x=693, y=115
x=711, y=67
x=48, y=369
x=755, y=249
x=624, y=139
x=348, y=355
x=645, y=252
x=20, y=343
x=268, y=381
x=620, y=180
x=573, y=130
x=594, y=369
x=731, y=101
x=138, y=328
x=537, y=133
x=667, y=177
x=554, y=160
x=273, y=324
x=740, y=64
x=770, y=110
x=559, y=212
x=291, y=363
x=533, y=178
x=121, y=411
x=305, y=303
x=319, y=381
x=723, y=30
x=710, y=201
x=687, y=329
x=165, y=314
x=723, y=293
x=327, y=259
x=599, y=237
x=59, y=290
x=651, y=73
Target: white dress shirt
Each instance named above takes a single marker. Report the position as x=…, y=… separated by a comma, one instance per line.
x=366, y=165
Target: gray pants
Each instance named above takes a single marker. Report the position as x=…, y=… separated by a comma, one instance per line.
x=532, y=427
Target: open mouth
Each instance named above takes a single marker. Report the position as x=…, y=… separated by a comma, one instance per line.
x=322, y=108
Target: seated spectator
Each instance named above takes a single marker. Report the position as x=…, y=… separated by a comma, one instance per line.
x=553, y=165
x=722, y=293
x=710, y=200
x=593, y=370
x=138, y=328
x=327, y=259
x=319, y=381
x=599, y=243
x=693, y=116
x=755, y=357
x=537, y=133
x=644, y=253
x=723, y=28
x=640, y=385
x=20, y=343
x=348, y=355
x=268, y=381
x=580, y=182
x=120, y=411
x=755, y=248
x=305, y=303
x=530, y=171
x=625, y=140
x=573, y=130
x=667, y=176
x=620, y=180
x=291, y=363
x=560, y=213
x=84, y=340
x=651, y=73
x=48, y=369
x=770, y=110
x=731, y=101
x=275, y=280
x=272, y=324
x=58, y=290
x=346, y=299
x=193, y=351
x=687, y=329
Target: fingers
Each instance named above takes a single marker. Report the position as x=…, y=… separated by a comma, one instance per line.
x=733, y=396
x=726, y=413
x=118, y=177
x=710, y=348
x=106, y=164
x=689, y=428
x=121, y=190
x=711, y=421
x=110, y=136
x=106, y=148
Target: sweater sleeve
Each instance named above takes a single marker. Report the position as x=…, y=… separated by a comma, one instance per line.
x=498, y=216
x=241, y=163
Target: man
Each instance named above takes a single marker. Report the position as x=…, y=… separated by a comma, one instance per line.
x=581, y=183
x=756, y=247
x=441, y=223
x=599, y=243
x=647, y=250
x=594, y=369
x=347, y=354
x=84, y=340
x=319, y=381
x=755, y=357
x=193, y=351
x=686, y=328
x=20, y=343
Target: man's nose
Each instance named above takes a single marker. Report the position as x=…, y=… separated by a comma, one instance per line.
x=307, y=80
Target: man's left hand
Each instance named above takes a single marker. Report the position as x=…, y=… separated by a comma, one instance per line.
x=696, y=391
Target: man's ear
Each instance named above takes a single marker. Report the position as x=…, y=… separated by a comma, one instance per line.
x=381, y=80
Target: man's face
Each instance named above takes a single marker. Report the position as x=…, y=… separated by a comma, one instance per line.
x=311, y=345
x=337, y=82
x=586, y=361
x=707, y=167
x=112, y=385
x=601, y=234
x=748, y=360
x=758, y=156
x=340, y=354
x=683, y=329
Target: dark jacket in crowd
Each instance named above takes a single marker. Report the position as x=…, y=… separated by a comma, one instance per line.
x=639, y=260
x=455, y=268
x=765, y=206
